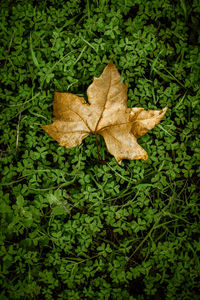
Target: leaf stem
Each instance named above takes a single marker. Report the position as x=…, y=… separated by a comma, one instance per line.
x=98, y=153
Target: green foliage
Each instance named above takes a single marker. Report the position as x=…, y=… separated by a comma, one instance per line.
x=72, y=228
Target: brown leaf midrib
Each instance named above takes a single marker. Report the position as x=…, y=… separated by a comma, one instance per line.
x=76, y=131
x=112, y=125
x=84, y=121
x=95, y=131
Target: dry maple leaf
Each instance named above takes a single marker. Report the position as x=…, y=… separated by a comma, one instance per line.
x=106, y=114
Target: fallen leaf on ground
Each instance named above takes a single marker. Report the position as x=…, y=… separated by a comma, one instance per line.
x=106, y=114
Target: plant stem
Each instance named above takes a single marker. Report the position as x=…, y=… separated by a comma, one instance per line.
x=98, y=153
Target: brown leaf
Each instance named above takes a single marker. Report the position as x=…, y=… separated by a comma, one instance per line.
x=106, y=114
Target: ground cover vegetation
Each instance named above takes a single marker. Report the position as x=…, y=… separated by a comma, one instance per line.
x=71, y=227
